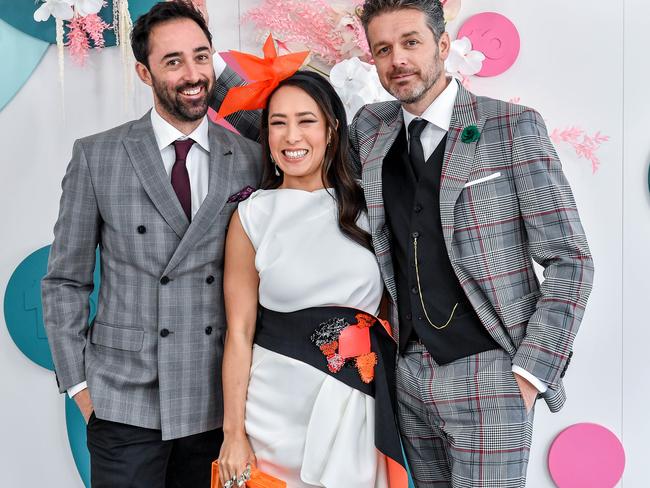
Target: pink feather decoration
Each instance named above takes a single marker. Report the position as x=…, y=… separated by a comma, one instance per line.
x=332, y=35
x=82, y=30
x=95, y=27
x=584, y=145
x=77, y=44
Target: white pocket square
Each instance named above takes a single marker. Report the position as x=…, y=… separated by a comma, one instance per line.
x=481, y=180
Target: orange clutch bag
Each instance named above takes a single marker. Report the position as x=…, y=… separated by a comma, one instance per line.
x=258, y=479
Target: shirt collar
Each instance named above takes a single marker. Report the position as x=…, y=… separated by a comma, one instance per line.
x=440, y=111
x=166, y=133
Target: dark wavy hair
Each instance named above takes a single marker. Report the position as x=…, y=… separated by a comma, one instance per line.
x=159, y=13
x=337, y=171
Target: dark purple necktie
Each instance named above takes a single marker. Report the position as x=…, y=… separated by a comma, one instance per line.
x=180, y=176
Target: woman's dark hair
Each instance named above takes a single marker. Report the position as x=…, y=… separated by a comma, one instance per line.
x=337, y=171
x=159, y=13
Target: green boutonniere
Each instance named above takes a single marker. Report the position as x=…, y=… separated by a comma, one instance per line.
x=470, y=134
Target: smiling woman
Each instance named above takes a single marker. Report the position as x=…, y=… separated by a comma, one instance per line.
x=298, y=137
x=300, y=249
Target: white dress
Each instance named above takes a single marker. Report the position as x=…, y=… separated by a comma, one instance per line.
x=306, y=427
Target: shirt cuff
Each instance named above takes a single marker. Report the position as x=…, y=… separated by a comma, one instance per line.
x=219, y=65
x=73, y=390
x=532, y=379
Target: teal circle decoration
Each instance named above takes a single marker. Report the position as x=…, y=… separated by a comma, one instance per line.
x=76, y=427
x=24, y=54
x=20, y=14
x=23, y=309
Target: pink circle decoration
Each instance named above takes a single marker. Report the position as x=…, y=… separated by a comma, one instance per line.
x=496, y=37
x=586, y=456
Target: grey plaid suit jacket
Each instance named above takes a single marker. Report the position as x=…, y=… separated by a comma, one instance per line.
x=116, y=194
x=495, y=229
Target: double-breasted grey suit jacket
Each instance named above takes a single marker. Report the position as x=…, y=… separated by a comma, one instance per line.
x=152, y=357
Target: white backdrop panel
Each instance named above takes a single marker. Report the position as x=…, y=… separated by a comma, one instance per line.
x=580, y=64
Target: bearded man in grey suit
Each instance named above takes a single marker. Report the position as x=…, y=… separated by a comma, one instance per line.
x=155, y=195
x=464, y=193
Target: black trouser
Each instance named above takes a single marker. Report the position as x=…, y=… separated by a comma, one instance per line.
x=125, y=456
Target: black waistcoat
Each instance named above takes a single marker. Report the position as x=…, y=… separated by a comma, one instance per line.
x=413, y=209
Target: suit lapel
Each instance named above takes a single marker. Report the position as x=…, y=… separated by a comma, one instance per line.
x=372, y=159
x=145, y=157
x=459, y=158
x=222, y=155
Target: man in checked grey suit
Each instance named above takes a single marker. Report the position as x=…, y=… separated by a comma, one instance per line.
x=463, y=194
x=155, y=195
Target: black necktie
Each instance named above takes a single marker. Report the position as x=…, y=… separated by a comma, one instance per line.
x=416, y=153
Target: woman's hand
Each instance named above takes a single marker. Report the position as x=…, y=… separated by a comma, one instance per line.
x=235, y=455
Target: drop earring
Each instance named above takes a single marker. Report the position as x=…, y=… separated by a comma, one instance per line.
x=277, y=171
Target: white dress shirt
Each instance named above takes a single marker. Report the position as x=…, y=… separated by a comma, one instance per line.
x=197, y=163
x=438, y=114
x=198, y=159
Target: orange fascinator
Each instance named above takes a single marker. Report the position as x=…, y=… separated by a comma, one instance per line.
x=266, y=74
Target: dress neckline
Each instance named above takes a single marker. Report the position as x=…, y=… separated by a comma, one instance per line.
x=313, y=192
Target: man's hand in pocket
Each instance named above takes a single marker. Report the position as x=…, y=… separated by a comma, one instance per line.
x=85, y=404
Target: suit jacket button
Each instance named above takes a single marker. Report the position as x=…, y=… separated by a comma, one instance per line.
x=209, y=280
x=417, y=208
x=142, y=229
x=164, y=333
x=414, y=290
x=408, y=316
x=164, y=280
x=208, y=330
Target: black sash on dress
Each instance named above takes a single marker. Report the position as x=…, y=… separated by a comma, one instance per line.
x=293, y=335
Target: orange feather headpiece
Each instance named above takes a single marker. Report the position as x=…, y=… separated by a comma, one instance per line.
x=266, y=74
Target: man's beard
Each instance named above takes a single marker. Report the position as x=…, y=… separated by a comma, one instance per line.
x=183, y=110
x=417, y=93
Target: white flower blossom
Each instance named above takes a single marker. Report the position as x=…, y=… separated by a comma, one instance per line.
x=88, y=7
x=462, y=61
x=357, y=83
x=60, y=9
x=451, y=9
x=66, y=9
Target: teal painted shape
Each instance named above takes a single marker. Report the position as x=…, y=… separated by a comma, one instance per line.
x=76, y=427
x=20, y=14
x=23, y=309
x=22, y=54
x=408, y=470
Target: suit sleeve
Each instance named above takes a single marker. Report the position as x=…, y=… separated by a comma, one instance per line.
x=557, y=242
x=69, y=281
x=247, y=122
x=355, y=158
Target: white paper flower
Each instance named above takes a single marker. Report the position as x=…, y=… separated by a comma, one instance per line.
x=451, y=9
x=462, y=61
x=357, y=83
x=88, y=7
x=60, y=9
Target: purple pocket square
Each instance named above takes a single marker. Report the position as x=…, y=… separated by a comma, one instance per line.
x=241, y=195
